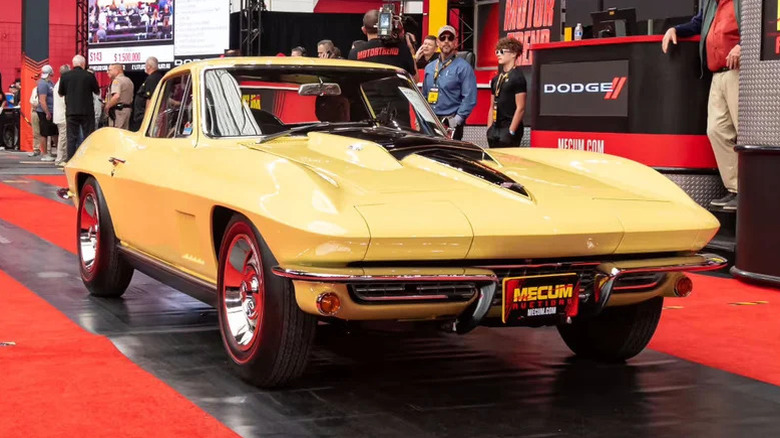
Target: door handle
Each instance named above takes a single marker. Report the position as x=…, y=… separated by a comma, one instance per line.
x=115, y=161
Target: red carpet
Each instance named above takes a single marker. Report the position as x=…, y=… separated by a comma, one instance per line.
x=55, y=180
x=80, y=381
x=710, y=330
x=46, y=218
x=59, y=380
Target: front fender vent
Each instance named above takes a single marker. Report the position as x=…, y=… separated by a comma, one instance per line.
x=420, y=292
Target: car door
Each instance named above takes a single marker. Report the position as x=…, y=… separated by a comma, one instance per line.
x=148, y=177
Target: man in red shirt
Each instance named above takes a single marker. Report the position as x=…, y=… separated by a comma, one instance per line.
x=718, y=23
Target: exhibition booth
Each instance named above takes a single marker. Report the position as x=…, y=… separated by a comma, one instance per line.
x=623, y=96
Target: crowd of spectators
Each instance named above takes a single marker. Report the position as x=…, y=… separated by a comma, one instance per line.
x=129, y=20
x=448, y=80
x=66, y=111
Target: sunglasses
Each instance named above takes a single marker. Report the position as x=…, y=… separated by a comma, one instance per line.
x=503, y=52
x=447, y=37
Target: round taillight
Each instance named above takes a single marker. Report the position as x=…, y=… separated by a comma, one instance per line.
x=683, y=287
x=328, y=303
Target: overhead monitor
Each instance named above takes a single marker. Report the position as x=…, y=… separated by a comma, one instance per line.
x=129, y=31
x=614, y=23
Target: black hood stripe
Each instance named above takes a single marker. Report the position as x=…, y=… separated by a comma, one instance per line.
x=468, y=163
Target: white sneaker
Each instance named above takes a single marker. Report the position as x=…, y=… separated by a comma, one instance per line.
x=47, y=158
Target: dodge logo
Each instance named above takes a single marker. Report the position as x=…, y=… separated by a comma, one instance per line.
x=617, y=86
x=611, y=90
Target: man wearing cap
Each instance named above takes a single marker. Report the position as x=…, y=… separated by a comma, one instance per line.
x=118, y=106
x=46, y=110
x=450, y=84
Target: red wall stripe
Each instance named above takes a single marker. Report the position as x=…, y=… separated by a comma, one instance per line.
x=655, y=150
x=346, y=6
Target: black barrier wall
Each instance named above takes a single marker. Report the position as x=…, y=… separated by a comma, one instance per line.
x=758, y=236
x=664, y=93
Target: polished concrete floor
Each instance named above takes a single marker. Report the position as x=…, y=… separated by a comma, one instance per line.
x=513, y=382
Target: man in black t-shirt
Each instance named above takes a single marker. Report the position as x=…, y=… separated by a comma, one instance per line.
x=395, y=53
x=507, y=101
x=78, y=87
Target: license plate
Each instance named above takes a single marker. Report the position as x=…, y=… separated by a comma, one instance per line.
x=539, y=296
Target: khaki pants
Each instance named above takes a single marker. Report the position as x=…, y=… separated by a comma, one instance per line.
x=36, y=128
x=722, y=123
x=62, y=143
x=122, y=120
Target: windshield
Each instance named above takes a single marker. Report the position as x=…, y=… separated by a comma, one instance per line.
x=263, y=101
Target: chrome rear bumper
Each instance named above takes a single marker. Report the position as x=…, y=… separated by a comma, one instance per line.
x=609, y=270
x=605, y=277
x=607, y=274
x=357, y=275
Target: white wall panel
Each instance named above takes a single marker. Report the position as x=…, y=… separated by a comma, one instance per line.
x=291, y=5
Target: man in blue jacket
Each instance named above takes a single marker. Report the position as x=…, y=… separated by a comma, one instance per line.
x=718, y=22
x=450, y=84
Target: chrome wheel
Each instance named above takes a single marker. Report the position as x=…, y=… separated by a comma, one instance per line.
x=89, y=231
x=243, y=292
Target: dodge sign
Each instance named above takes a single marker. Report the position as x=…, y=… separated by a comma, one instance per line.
x=598, y=89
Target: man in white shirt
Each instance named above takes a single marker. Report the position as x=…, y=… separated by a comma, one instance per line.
x=35, y=123
x=59, y=119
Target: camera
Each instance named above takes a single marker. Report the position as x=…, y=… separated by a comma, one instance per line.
x=390, y=26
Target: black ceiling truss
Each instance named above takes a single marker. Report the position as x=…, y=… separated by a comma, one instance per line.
x=82, y=26
x=250, y=26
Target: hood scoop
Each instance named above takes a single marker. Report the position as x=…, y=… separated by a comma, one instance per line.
x=469, y=161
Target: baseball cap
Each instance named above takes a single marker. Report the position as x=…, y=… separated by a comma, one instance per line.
x=46, y=71
x=447, y=28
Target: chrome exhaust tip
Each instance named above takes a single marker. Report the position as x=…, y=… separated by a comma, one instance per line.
x=683, y=287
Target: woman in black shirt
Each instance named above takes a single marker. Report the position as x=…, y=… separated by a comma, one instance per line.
x=507, y=101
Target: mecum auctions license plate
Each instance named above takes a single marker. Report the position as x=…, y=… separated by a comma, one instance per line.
x=539, y=296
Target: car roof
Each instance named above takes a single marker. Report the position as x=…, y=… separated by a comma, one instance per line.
x=279, y=61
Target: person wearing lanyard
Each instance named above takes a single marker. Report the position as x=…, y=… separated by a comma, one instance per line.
x=507, y=101
x=450, y=85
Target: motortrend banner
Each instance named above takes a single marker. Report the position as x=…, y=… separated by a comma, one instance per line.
x=530, y=21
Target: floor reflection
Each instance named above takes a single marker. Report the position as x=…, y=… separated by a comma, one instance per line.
x=511, y=382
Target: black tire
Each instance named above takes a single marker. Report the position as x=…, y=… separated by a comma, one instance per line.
x=10, y=137
x=108, y=275
x=281, y=340
x=617, y=334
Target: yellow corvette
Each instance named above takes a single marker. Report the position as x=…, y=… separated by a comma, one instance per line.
x=284, y=191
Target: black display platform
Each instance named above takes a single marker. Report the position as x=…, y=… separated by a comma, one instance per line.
x=758, y=210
